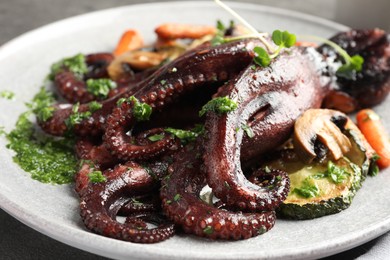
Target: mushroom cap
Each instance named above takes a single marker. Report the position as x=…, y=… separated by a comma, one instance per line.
x=324, y=126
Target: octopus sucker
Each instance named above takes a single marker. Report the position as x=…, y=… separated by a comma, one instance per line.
x=180, y=194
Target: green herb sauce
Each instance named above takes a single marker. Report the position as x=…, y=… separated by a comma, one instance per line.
x=47, y=159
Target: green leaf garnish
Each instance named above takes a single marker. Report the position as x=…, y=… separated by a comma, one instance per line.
x=349, y=69
x=208, y=230
x=219, y=105
x=94, y=106
x=336, y=174
x=141, y=111
x=156, y=137
x=7, y=94
x=248, y=130
x=76, y=117
x=186, y=136
x=41, y=104
x=262, y=57
x=177, y=197
x=307, y=190
x=100, y=87
x=96, y=177
x=75, y=64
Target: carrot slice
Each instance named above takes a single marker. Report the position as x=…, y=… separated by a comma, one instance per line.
x=130, y=40
x=306, y=44
x=183, y=31
x=374, y=131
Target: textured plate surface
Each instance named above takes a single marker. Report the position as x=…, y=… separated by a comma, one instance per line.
x=53, y=210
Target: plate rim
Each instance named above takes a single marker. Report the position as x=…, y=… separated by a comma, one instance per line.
x=28, y=218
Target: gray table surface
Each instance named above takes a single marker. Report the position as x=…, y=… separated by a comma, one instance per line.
x=18, y=241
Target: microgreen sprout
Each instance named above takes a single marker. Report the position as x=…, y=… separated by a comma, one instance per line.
x=352, y=64
x=282, y=40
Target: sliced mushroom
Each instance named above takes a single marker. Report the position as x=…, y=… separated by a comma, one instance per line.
x=324, y=126
x=139, y=60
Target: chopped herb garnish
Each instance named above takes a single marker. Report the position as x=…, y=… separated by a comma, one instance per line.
x=353, y=64
x=76, y=117
x=177, y=197
x=96, y=177
x=141, y=111
x=226, y=184
x=100, y=87
x=267, y=170
x=262, y=230
x=94, y=106
x=248, y=130
x=41, y=104
x=219, y=105
x=186, y=136
x=307, y=190
x=169, y=201
x=121, y=101
x=136, y=202
x=374, y=169
x=208, y=230
x=7, y=94
x=337, y=174
x=174, y=69
x=75, y=64
x=156, y=137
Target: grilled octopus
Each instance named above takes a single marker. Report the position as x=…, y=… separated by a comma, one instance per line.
x=142, y=175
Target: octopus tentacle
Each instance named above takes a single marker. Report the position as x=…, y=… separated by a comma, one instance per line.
x=371, y=85
x=73, y=88
x=101, y=202
x=163, y=88
x=269, y=100
x=200, y=66
x=139, y=204
x=123, y=145
x=181, y=203
x=96, y=152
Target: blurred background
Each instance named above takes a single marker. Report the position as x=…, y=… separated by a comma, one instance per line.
x=19, y=16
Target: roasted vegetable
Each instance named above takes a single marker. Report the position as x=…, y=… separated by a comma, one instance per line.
x=325, y=185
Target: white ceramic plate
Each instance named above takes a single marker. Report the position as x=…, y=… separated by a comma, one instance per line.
x=53, y=210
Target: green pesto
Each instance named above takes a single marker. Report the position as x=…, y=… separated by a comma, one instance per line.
x=47, y=159
x=41, y=104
